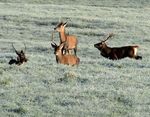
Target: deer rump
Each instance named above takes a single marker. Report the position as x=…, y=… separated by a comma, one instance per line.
x=69, y=60
x=117, y=53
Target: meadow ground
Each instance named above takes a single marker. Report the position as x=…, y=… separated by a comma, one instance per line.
x=98, y=87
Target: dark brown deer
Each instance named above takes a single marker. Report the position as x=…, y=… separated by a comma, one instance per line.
x=64, y=59
x=116, y=53
x=21, y=58
x=71, y=40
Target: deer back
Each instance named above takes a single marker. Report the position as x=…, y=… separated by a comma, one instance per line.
x=71, y=41
x=69, y=60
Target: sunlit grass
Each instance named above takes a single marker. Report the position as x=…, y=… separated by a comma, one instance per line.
x=98, y=86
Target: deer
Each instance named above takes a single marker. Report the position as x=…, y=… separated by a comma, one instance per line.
x=21, y=58
x=63, y=58
x=71, y=40
x=116, y=53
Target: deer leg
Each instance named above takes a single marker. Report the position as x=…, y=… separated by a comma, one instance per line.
x=115, y=57
x=75, y=51
x=70, y=51
x=66, y=51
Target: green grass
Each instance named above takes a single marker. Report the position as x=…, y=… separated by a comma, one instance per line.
x=98, y=87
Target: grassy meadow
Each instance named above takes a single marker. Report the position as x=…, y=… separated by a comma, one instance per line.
x=98, y=87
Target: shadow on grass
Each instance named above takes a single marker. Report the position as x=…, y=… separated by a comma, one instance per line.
x=19, y=110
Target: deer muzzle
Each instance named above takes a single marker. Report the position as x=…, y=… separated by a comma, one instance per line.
x=96, y=45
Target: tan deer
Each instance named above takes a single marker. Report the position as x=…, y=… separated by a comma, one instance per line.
x=62, y=58
x=71, y=40
x=116, y=53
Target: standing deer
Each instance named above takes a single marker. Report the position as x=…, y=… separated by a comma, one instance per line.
x=71, y=40
x=116, y=53
x=64, y=59
x=21, y=58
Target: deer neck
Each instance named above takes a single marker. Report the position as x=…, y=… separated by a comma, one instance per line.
x=59, y=57
x=62, y=36
x=106, y=49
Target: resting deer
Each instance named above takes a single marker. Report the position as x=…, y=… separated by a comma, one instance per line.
x=21, y=58
x=64, y=59
x=116, y=53
x=71, y=40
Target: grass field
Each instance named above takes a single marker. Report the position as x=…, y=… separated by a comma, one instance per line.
x=98, y=87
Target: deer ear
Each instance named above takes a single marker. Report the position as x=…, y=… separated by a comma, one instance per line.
x=65, y=24
x=53, y=45
x=61, y=45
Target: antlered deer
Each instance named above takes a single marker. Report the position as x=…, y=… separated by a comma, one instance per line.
x=64, y=59
x=21, y=58
x=116, y=53
x=71, y=40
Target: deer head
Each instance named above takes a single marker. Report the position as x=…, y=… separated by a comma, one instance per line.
x=56, y=47
x=60, y=27
x=62, y=58
x=59, y=49
x=102, y=44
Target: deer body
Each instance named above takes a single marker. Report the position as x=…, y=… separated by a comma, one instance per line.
x=64, y=59
x=70, y=40
x=68, y=59
x=116, y=53
x=21, y=58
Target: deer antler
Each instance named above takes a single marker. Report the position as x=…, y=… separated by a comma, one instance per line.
x=14, y=47
x=52, y=36
x=54, y=43
x=25, y=47
x=109, y=36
